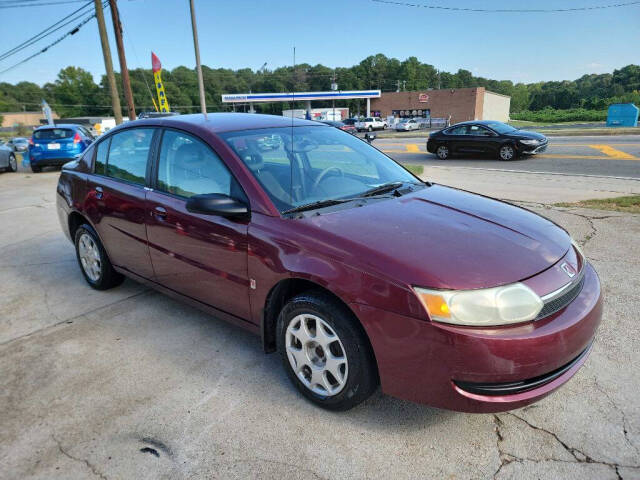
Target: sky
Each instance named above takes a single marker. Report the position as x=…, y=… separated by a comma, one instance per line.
x=522, y=47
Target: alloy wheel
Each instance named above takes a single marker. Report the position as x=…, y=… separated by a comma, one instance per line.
x=442, y=152
x=13, y=166
x=89, y=257
x=506, y=152
x=316, y=355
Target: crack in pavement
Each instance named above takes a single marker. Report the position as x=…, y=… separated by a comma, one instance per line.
x=579, y=456
x=71, y=319
x=625, y=430
x=91, y=467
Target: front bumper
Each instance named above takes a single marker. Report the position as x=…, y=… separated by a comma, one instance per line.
x=531, y=150
x=434, y=363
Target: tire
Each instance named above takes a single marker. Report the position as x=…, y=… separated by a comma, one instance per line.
x=36, y=169
x=356, y=376
x=13, y=166
x=443, y=153
x=507, y=152
x=93, y=260
x=370, y=128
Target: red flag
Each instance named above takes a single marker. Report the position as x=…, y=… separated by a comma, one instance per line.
x=155, y=63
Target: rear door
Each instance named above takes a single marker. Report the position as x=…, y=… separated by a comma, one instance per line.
x=481, y=139
x=116, y=198
x=457, y=139
x=201, y=256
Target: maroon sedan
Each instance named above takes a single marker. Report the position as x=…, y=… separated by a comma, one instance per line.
x=354, y=270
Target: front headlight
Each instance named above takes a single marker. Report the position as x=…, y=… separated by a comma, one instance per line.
x=483, y=307
x=532, y=141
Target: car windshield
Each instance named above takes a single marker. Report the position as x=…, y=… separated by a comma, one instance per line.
x=501, y=127
x=302, y=165
x=19, y=140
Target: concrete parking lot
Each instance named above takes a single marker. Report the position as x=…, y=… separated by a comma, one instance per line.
x=131, y=384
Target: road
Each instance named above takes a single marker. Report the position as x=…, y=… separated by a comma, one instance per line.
x=608, y=156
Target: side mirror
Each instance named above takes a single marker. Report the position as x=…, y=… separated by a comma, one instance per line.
x=217, y=204
x=369, y=137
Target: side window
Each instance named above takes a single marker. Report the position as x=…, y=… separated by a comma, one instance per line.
x=128, y=154
x=102, y=150
x=188, y=167
x=461, y=130
x=478, y=131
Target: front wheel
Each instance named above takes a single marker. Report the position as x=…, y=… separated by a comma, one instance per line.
x=93, y=260
x=13, y=165
x=370, y=128
x=507, y=152
x=325, y=353
x=443, y=152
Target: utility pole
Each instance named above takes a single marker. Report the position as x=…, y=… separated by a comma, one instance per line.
x=124, y=71
x=404, y=85
x=108, y=65
x=196, y=47
x=397, y=85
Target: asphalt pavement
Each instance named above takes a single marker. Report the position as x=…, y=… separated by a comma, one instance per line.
x=608, y=156
x=128, y=383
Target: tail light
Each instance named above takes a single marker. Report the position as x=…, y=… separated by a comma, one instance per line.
x=31, y=141
x=76, y=138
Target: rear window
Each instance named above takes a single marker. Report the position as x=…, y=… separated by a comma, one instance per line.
x=53, y=134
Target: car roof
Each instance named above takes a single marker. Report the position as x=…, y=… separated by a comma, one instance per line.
x=477, y=122
x=59, y=125
x=223, y=122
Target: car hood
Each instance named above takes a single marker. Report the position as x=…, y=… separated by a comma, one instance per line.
x=441, y=237
x=526, y=134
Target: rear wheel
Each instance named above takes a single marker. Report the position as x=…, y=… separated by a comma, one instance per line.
x=370, y=128
x=325, y=353
x=507, y=152
x=442, y=152
x=93, y=260
x=13, y=165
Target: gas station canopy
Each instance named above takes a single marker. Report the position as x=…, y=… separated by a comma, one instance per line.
x=299, y=96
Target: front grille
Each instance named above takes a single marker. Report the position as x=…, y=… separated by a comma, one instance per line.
x=511, y=388
x=558, y=303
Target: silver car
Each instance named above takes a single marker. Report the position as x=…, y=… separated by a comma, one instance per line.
x=407, y=125
x=7, y=158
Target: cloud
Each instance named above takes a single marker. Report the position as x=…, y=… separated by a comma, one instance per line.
x=594, y=65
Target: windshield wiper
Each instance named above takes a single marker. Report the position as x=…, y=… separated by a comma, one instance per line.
x=318, y=204
x=384, y=188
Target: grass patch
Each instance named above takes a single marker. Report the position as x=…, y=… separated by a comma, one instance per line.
x=415, y=169
x=630, y=204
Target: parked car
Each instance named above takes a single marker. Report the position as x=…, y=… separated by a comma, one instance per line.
x=486, y=137
x=357, y=272
x=342, y=126
x=57, y=145
x=407, y=124
x=350, y=121
x=7, y=158
x=371, y=123
x=19, y=144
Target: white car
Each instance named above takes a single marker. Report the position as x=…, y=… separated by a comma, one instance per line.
x=371, y=123
x=407, y=125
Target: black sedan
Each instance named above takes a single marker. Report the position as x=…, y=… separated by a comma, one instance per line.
x=485, y=137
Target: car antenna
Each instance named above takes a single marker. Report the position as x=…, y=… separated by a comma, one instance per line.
x=293, y=106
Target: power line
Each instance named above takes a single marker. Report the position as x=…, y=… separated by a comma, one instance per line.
x=47, y=31
x=27, y=5
x=69, y=33
x=506, y=10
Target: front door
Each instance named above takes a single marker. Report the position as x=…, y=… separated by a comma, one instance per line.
x=201, y=256
x=117, y=207
x=481, y=139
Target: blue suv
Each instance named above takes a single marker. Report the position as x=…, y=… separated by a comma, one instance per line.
x=57, y=145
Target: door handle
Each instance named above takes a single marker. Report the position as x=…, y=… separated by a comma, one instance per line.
x=160, y=212
x=99, y=193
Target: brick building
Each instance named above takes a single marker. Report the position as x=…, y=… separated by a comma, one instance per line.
x=461, y=103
